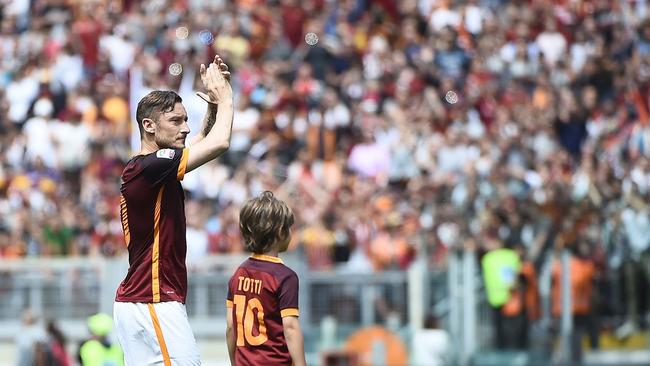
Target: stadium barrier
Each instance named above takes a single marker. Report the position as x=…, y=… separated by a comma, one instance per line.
x=70, y=289
x=334, y=305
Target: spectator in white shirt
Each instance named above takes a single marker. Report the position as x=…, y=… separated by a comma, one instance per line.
x=444, y=16
x=38, y=131
x=552, y=43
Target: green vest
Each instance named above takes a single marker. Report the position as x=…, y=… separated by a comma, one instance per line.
x=500, y=270
x=94, y=353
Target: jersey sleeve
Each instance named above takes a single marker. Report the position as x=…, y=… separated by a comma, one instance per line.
x=288, y=296
x=164, y=163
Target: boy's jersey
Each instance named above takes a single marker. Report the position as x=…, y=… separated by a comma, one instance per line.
x=260, y=293
x=153, y=219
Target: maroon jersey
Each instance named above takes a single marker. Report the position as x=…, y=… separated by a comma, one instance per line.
x=260, y=293
x=153, y=218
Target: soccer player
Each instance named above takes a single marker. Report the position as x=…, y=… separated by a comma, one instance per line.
x=150, y=318
x=262, y=317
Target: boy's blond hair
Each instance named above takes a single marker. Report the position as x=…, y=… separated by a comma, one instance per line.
x=264, y=221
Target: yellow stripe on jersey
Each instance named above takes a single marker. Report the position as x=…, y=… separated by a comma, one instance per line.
x=289, y=312
x=267, y=258
x=183, y=164
x=125, y=221
x=155, y=281
x=161, y=340
x=229, y=304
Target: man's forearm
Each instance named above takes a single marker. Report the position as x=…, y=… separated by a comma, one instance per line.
x=222, y=123
x=209, y=119
x=217, y=141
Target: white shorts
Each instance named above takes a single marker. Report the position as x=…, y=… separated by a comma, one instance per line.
x=155, y=334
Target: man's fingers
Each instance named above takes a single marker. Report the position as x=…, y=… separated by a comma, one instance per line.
x=213, y=77
x=218, y=72
x=213, y=74
x=205, y=97
x=204, y=74
x=224, y=70
x=209, y=72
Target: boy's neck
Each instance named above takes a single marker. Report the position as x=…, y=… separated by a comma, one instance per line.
x=273, y=253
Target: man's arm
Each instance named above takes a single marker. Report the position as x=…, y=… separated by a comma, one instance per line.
x=295, y=342
x=211, y=114
x=219, y=93
x=230, y=336
x=208, y=122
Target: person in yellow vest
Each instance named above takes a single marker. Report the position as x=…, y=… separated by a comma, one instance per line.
x=501, y=267
x=98, y=350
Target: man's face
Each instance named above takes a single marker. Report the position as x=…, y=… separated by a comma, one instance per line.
x=172, y=129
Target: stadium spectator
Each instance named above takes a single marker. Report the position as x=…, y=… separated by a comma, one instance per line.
x=501, y=268
x=55, y=352
x=582, y=273
x=30, y=335
x=99, y=350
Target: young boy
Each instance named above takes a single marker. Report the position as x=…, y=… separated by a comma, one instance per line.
x=262, y=316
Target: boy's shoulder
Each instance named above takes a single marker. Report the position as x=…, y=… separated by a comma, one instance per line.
x=286, y=271
x=271, y=265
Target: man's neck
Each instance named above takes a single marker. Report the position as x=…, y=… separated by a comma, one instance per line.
x=148, y=147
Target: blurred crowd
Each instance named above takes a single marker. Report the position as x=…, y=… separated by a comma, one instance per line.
x=41, y=343
x=403, y=128
x=397, y=129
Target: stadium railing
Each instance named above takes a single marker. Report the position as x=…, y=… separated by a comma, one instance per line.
x=334, y=304
x=70, y=289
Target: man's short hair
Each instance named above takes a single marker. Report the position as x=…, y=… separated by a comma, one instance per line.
x=264, y=221
x=154, y=104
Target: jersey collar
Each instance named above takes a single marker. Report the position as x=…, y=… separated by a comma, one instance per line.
x=267, y=258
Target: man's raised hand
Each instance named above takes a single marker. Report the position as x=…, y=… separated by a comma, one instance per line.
x=216, y=80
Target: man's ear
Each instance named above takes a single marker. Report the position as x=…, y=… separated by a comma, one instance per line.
x=149, y=125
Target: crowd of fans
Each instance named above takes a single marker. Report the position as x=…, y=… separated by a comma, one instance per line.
x=410, y=127
x=402, y=129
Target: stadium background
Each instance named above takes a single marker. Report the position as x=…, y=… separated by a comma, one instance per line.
x=412, y=138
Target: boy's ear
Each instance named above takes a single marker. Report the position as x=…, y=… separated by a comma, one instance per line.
x=285, y=233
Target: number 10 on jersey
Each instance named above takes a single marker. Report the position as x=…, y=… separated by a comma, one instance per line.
x=245, y=321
